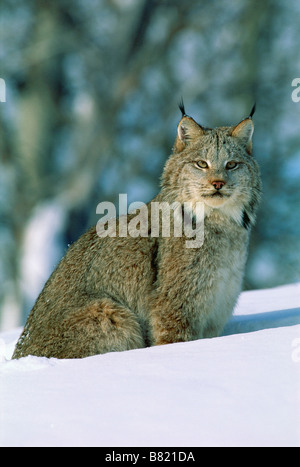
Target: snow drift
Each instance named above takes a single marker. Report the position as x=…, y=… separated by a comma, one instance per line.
x=241, y=389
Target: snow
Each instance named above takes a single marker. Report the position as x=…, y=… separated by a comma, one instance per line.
x=241, y=389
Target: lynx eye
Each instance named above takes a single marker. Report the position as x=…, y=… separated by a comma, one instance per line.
x=231, y=165
x=202, y=164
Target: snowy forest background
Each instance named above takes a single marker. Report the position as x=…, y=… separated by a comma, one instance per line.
x=92, y=88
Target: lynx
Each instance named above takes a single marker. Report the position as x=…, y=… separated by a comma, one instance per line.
x=121, y=293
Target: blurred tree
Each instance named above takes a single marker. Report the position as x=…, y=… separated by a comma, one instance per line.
x=91, y=111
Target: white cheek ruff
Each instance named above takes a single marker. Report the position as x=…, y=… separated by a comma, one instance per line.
x=234, y=211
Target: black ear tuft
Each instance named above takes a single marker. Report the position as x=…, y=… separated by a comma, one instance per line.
x=252, y=110
x=181, y=107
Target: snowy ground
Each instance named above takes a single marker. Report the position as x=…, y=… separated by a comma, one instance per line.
x=242, y=389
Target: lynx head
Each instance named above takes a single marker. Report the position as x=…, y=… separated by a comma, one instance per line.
x=216, y=167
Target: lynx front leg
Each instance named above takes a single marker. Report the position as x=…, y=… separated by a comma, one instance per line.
x=174, y=307
x=171, y=323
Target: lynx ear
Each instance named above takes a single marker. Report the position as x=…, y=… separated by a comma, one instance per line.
x=244, y=131
x=187, y=131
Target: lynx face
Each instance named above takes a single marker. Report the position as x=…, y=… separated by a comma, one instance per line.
x=214, y=166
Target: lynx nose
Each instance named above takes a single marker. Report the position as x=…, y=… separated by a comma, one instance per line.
x=218, y=184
